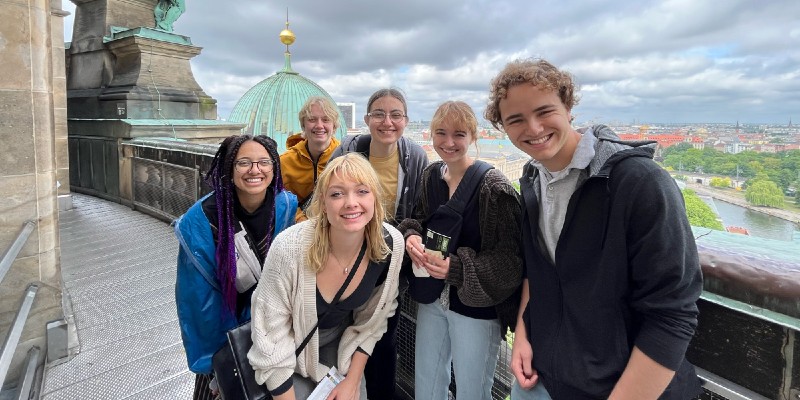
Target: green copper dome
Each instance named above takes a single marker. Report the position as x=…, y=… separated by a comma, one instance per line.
x=271, y=107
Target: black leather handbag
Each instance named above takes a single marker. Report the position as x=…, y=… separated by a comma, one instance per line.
x=235, y=376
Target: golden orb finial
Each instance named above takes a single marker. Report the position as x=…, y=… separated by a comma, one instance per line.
x=287, y=36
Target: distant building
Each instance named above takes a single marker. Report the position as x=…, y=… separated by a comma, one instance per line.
x=696, y=141
x=667, y=140
x=631, y=136
x=736, y=148
x=771, y=148
x=348, y=111
x=509, y=164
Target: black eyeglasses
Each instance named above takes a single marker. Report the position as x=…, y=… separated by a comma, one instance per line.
x=395, y=116
x=244, y=165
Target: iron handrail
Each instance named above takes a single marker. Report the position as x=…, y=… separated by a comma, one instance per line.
x=12, y=338
x=29, y=375
x=13, y=250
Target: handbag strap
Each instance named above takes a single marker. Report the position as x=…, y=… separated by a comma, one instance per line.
x=468, y=185
x=335, y=298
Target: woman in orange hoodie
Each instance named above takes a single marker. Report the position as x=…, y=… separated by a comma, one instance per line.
x=308, y=152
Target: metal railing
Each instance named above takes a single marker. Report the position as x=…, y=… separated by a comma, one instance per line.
x=29, y=377
x=15, y=331
x=13, y=250
x=720, y=347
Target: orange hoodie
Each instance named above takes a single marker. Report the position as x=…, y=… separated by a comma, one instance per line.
x=299, y=172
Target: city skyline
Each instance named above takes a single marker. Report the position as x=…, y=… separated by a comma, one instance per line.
x=655, y=62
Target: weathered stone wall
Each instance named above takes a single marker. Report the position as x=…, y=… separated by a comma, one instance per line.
x=33, y=157
x=59, y=96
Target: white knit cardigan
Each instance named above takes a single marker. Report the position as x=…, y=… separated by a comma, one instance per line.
x=285, y=309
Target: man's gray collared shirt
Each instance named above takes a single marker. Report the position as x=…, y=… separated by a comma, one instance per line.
x=557, y=188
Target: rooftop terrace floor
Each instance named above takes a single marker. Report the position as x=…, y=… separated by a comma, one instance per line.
x=118, y=267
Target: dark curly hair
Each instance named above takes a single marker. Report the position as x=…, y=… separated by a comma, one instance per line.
x=219, y=177
x=536, y=72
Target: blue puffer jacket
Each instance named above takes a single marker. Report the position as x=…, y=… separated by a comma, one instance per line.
x=197, y=291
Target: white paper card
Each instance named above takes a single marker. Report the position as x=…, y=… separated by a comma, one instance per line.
x=326, y=385
x=419, y=272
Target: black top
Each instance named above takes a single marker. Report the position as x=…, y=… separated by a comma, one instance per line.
x=470, y=237
x=337, y=313
x=255, y=222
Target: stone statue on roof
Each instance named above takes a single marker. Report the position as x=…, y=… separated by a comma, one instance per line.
x=167, y=12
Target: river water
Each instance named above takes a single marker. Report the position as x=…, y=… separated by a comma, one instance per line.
x=758, y=224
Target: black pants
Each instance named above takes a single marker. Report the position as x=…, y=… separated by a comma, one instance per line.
x=382, y=364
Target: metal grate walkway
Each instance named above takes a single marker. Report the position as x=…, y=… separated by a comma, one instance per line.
x=118, y=267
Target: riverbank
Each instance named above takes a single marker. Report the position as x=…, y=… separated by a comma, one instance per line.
x=737, y=198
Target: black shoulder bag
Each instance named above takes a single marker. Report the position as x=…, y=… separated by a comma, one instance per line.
x=443, y=227
x=235, y=376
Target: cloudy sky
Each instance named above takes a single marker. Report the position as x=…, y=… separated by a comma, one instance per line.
x=644, y=61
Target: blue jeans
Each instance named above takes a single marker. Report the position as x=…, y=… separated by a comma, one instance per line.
x=471, y=344
x=538, y=392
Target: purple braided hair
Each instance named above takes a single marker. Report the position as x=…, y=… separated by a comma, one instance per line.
x=219, y=177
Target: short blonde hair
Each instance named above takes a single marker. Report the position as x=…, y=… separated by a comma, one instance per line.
x=459, y=114
x=329, y=109
x=537, y=72
x=353, y=167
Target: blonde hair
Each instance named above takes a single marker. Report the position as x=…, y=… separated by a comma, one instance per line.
x=328, y=108
x=353, y=167
x=460, y=117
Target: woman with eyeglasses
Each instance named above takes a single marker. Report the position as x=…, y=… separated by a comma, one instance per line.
x=399, y=163
x=223, y=241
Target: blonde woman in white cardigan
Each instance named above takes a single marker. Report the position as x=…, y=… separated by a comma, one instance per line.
x=306, y=266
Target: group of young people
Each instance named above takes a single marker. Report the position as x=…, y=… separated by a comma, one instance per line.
x=593, y=265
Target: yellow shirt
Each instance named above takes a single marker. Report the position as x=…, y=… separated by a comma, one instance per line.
x=386, y=167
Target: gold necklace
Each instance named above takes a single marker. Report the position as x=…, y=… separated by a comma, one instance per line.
x=346, y=269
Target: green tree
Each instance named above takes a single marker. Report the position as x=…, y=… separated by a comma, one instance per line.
x=756, y=167
x=784, y=178
x=725, y=167
x=771, y=163
x=782, y=167
x=693, y=160
x=699, y=213
x=677, y=149
x=764, y=192
x=721, y=182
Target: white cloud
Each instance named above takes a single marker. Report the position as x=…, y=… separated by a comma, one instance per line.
x=675, y=60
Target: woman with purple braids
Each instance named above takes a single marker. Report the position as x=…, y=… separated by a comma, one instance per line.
x=224, y=239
